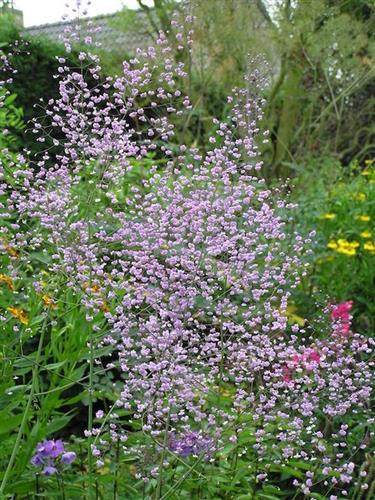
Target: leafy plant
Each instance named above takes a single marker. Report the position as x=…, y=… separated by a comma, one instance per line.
x=343, y=259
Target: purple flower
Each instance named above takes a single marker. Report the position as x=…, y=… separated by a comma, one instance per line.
x=51, y=454
x=68, y=457
x=51, y=448
x=37, y=460
x=49, y=470
x=192, y=443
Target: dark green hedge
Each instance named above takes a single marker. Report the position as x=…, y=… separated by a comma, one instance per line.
x=36, y=64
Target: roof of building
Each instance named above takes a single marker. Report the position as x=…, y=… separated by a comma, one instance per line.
x=103, y=30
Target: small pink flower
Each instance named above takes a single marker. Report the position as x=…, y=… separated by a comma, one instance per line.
x=286, y=374
x=341, y=312
x=342, y=329
x=296, y=360
x=300, y=361
x=341, y=318
x=314, y=356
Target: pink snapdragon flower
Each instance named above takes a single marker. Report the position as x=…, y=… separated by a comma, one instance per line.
x=341, y=318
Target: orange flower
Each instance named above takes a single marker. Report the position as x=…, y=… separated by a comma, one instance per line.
x=92, y=286
x=11, y=250
x=20, y=314
x=104, y=307
x=49, y=302
x=8, y=281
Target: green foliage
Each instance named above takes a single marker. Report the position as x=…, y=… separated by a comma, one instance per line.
x=36, y=58
x=11, y=123
x=36, y=64
x=340, y=206
x=323, y=90
x=320, y=57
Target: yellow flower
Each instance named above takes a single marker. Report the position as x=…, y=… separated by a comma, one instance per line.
x=8, y=281
x=49, y=302
x=369, y=246
x=20, y=314
x=363, y=218
x=332, y=244
x=346, y=243
x=369, y=162
x=328, y=216
x=344, y=246
x=366, y=234
x=347, y=251
x=360, y=196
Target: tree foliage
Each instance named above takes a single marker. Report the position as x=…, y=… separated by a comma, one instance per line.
x=321, y=63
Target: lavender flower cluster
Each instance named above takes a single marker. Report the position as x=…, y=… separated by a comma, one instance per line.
x=192, y=270
x=192, y=443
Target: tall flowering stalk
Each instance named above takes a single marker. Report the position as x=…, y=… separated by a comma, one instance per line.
x=192, y=269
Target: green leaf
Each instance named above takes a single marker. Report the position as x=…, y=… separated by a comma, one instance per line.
x=53, y=366
x=16, y=389
x=269, y=488
x=9, y=422
x=74, y=490
x=288, y=471
x=10, y=99
x=22, y=362
x=130, y=458
x=21, y=487
x=266, y=496
x=40, y=257
x=58, y=423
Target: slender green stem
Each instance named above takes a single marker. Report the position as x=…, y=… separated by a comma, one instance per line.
x=115, y=484
x=37, y=485
x=371, y=491
x=61, y=486
x=104, y=422
x=182, y=478
x=165, y=445
x=90, y=414
x=17, y=443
